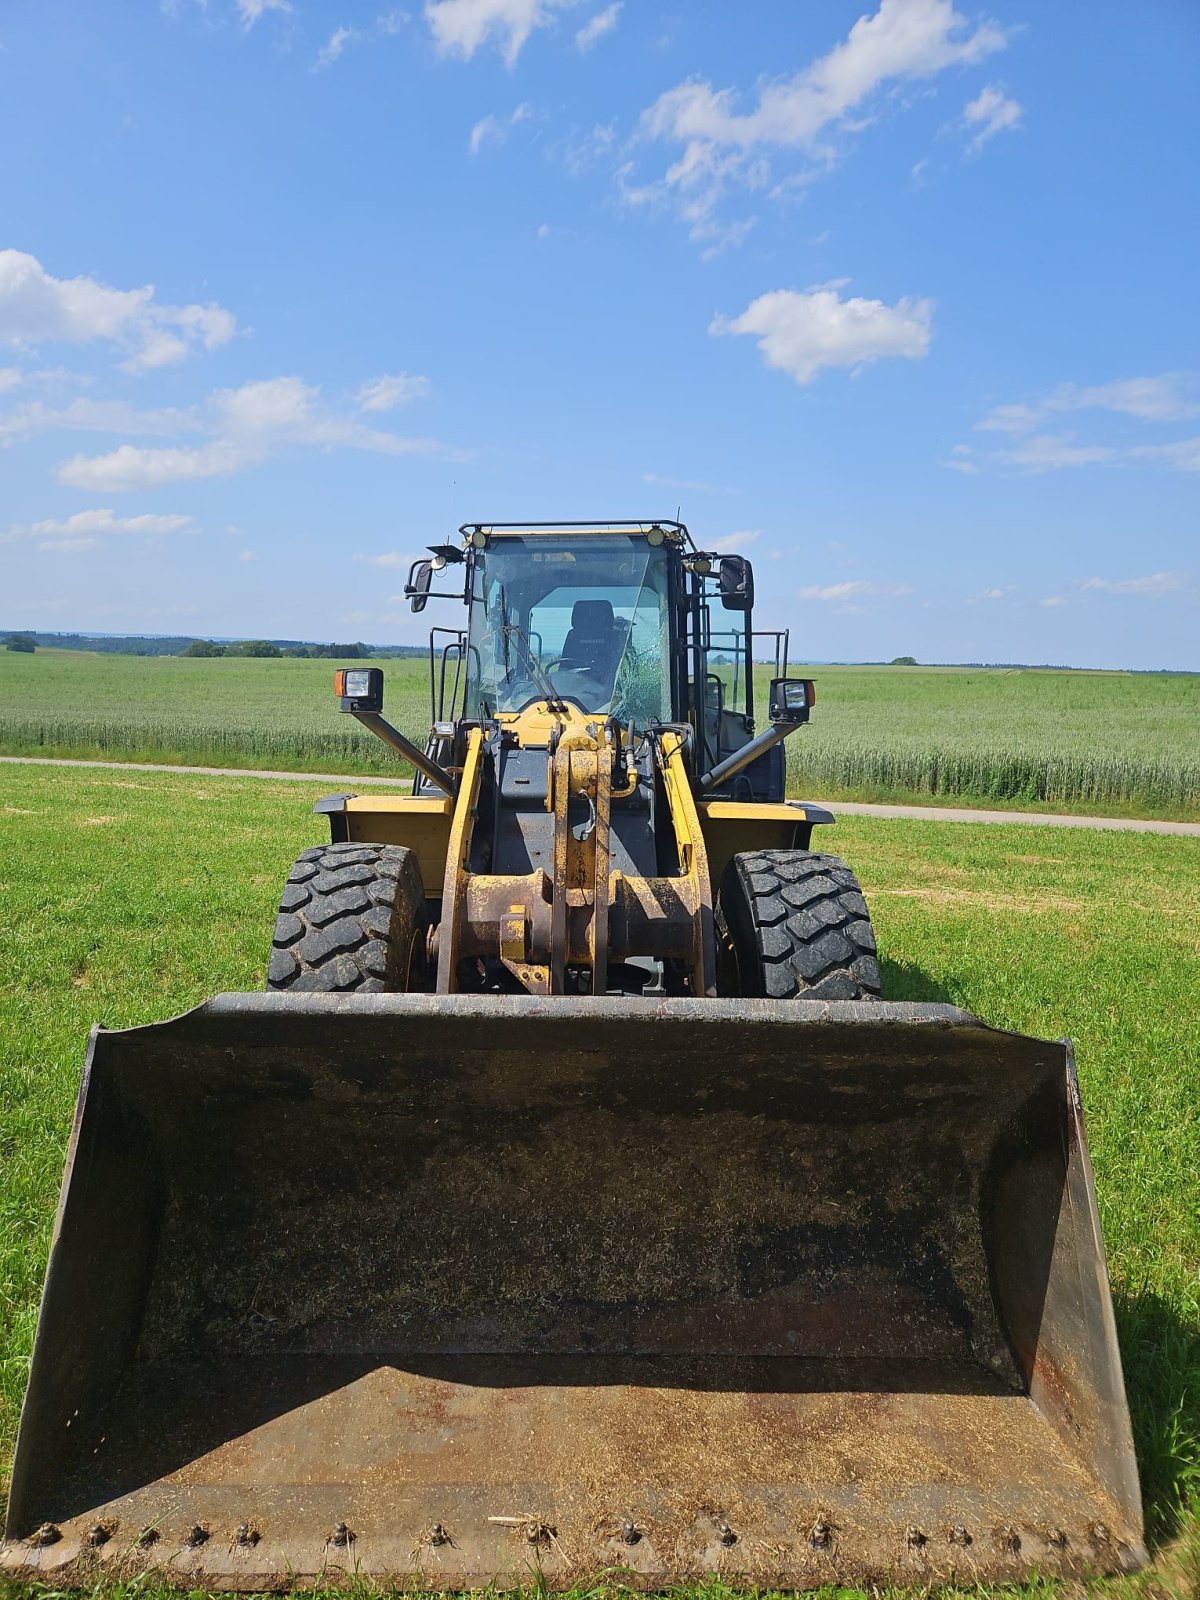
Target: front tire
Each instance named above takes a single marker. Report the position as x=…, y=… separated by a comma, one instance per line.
x=793, y=924
x=351, y=921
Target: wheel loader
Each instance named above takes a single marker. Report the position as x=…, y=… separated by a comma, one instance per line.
x=572, y=1202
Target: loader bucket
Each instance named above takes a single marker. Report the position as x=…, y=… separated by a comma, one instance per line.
x=465, y=1288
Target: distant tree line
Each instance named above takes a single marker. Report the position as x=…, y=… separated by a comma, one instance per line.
x=21, y=642
x=268, y=647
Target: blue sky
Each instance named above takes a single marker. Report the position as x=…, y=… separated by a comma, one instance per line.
x=897, y=297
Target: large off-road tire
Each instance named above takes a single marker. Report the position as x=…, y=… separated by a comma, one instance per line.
x=793, y=924
x=351, y=921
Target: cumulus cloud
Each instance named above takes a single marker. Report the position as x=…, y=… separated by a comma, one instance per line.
x=1156, y=584
x=595, y=29
x=802, y=333
x=990, y=113
x=392, y=390
x=37, y=308
x=723, y=144
x=246, y=425
x=461, y=27
x=10, y=377
x=133, y=467
x=83, y=530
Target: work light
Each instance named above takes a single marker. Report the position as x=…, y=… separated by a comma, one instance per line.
x=360, y=688
x=792, y=699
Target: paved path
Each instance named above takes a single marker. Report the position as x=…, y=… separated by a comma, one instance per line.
x=850, y=808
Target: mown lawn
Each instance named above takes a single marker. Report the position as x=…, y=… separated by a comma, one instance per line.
x=1101, y=742
x=126, y=898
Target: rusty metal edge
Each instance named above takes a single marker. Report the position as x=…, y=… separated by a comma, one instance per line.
x=30, y=1407
x=1100, y=1295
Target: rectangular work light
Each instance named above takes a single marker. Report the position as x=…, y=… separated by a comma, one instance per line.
x=792, y=699
x=360, y=688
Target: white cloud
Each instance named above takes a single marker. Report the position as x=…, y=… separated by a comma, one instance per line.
x=390, y=558
x=130, y=467
x=246, y=425
x=83, y=530
x=721, y=145
x=391, y=22
x=1045, y=452
x=251, y=10
x=1053, y=600
x=495, y=130
x=990, y=113
x=332, y=49
x=248, y=555
x=93, y=416
x=392, y=390
x=460, y=27
x=851, y=589
x=802, y=333
x=1156, y=584
x=107, y=521
x=10, y=377
x=36, y=308
x=1169, y=397
x=739, y=540
x=594, y=30
x=1182, y=454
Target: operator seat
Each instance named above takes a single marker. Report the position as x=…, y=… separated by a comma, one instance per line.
x=593, y=639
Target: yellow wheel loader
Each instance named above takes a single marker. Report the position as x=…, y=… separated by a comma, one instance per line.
x=572, y=1202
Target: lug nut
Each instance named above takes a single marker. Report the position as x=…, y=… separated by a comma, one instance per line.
x=959, y=1535
x=1100, y=1534
x=148, y=1536
x=246, y=1536
x=98, y=1534
x=438, y=1534
x=725, y=1533
x=47, y=1534
x=914, y=1538
x=820, y=1535
x=197, y=1537
x=1008, y=1539
x=1058, y=1539
x=341, y=1537
x=630, y=1533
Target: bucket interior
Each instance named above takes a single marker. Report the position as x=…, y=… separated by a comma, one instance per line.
x=689, y=1286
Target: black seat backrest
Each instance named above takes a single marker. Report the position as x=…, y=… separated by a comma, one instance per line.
x=592, y=637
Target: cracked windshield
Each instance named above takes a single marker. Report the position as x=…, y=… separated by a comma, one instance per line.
x=585, y=621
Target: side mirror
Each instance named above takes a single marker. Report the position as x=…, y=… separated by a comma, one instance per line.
x=736, y=583
x=420, y=580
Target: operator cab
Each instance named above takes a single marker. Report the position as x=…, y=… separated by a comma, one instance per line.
x=614, y=618
x=584, y=620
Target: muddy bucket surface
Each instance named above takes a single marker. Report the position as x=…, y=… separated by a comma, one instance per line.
x=466, y=1286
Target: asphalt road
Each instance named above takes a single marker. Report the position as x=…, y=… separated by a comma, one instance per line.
x=850, y=808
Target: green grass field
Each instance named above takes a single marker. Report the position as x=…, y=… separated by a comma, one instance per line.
x=128, y=897
x=1112, y=743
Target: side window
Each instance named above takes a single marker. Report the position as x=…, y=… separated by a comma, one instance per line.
x=727, y=660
